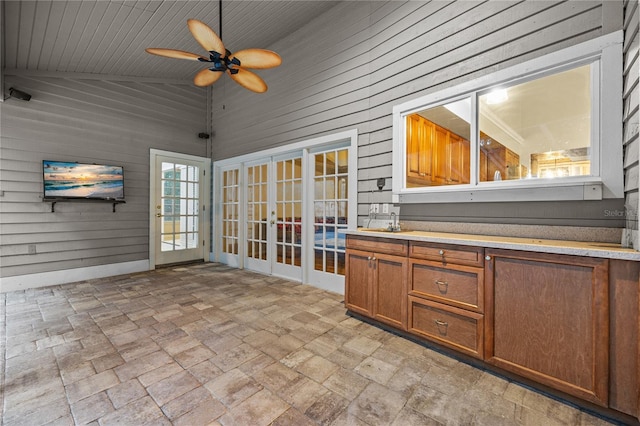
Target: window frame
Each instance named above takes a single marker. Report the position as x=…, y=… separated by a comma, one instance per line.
x=606, y=179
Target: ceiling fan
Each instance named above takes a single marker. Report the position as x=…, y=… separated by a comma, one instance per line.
x=222, y=60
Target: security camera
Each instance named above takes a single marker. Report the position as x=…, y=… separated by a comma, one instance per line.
x=19, y=94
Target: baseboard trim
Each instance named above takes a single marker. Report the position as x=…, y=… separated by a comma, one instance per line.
x=45, y=279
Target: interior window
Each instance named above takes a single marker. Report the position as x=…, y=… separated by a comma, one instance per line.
x=438, y=150
x=537, y=129
x=552, y=122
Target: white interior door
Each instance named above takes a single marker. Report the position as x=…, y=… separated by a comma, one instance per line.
x=179, y=226
x=328, y=173
x=258, y=218
x=287, y=239
x=229, y=220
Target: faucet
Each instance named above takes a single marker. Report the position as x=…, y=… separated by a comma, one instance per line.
x=393, y=226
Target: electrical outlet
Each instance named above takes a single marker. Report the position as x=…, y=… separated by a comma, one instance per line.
x=374, y=208
x=32, y=249
x=385, y=208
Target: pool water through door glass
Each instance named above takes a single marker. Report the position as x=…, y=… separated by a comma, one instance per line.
x=331, y=210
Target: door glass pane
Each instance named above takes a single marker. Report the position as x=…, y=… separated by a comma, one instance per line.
x=257, y=212
x=330, y=205
x=180, y=226
x=230, y=211
x=289, y=212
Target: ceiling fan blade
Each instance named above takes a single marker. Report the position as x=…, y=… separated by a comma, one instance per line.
x=205, y=36
x=173, y=53
x=249, y=80
x=257, y=58
x=206, y=77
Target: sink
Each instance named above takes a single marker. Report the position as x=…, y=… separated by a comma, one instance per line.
x=385, y=230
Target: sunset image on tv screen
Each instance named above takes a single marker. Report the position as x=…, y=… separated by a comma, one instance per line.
x=64, y=179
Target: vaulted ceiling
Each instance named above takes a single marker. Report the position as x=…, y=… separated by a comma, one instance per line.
x=108, y=37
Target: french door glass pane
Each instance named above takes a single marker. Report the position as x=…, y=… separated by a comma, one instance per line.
x=330, y=210
x=257, y=209
x=230, y=209
x=289, y=211
x=180, y=189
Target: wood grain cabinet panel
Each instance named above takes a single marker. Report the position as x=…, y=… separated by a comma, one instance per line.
x=376, y=281
x=378, y=245
x=447, y=253
x=358, y=283
x=452, y=327
x=624, y=358
x=390, y=290
x=460, y=286
x=548, y=320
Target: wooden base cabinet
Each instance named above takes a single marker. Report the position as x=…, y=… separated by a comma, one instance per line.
x=548, y=320
x=569, y=323
x=376, y=282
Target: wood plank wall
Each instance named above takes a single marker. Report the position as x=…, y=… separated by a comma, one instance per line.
x=350, y=66
x=92, y=121
x=631, y=121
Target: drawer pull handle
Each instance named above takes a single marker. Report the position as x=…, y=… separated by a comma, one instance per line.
x=443, y=286
x=442, y=327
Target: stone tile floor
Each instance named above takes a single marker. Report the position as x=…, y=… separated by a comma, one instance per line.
x=210, y=345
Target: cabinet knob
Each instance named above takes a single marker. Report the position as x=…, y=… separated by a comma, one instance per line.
x=374, y=258
x=441, y=252
x=487, y=257
x=369, y=258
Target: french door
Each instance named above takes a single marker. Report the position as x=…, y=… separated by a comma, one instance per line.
x=286, y=212
x=287, y=241
x=230, y=229
x=331, y=218
x=178, y=230
x=273, y=205
x=259, y=217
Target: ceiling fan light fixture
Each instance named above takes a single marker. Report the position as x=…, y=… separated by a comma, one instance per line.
x=233, y=64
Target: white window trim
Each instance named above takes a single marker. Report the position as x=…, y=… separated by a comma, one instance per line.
x=607, y=179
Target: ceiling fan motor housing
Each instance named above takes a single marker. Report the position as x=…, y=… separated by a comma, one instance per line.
x=221, y=63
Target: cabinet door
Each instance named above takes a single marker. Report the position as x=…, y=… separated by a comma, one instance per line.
x=358, y=289
x=390, y=290
x=413, y=146
x=419, y=135
x=456, y=151
x=440, y=162
x=547, y=319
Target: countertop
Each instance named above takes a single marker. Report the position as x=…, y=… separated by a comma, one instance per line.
x=576, y=248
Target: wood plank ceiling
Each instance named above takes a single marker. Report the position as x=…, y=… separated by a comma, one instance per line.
x=109, y=37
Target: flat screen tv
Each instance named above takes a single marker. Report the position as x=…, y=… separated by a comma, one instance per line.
x=70, y=180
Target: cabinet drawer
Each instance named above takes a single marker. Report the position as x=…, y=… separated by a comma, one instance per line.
x=446, y=253
x=461, y=286
x=456, y=328
x=378, y=245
